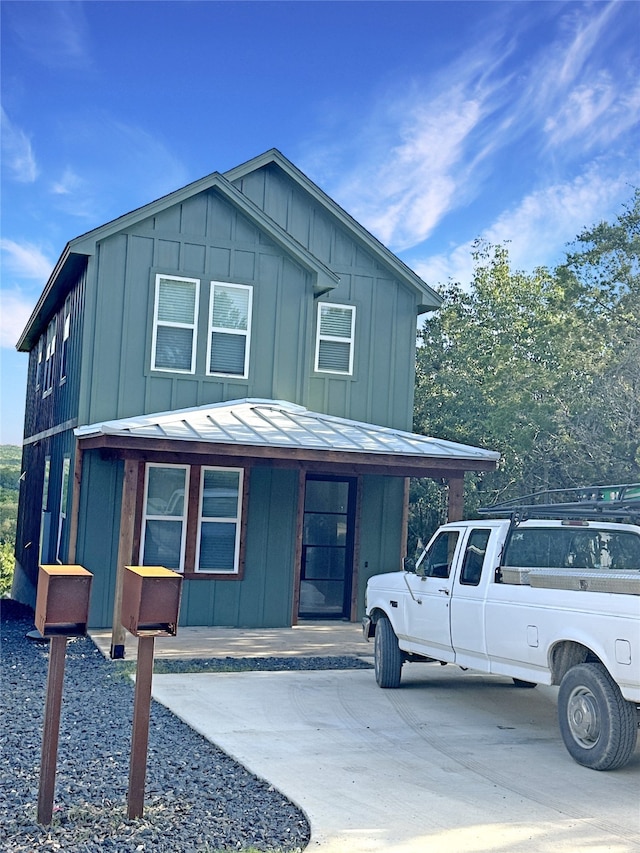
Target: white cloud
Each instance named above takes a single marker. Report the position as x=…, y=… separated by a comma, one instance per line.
x=538, y=229
x=54, y=34
x=17, y=154
x=69, y=183
x=26, y=260
x=16, y=310
x=596, y=114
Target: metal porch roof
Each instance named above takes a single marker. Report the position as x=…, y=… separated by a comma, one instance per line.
x=279, y=424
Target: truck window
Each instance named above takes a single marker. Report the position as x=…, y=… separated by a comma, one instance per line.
x=436, y=561
x=573, y=548
x=474, y=557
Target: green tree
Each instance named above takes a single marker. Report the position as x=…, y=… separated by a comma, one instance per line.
x=542, y=366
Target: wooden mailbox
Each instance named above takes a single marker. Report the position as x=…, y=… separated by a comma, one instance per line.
x=151, y=601
x=62, y=601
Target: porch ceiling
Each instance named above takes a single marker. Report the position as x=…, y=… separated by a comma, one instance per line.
x=278, y=432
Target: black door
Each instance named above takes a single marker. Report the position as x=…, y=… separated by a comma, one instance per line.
x=327, y=547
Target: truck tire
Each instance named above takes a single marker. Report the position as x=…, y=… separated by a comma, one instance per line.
x=598, y=726
x=387, y=655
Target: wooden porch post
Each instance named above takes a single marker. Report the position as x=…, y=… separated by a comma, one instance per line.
x=455, y=503
x=75, y=504
x=125, y=551
x=404, y=535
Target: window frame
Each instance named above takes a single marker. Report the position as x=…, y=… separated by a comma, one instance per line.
x=237, y=520
x=50, y=351
x=156, y=323
x=227, y=331
x=145, y=516
x=191, y=517
x=320, y=337
x=66, y=334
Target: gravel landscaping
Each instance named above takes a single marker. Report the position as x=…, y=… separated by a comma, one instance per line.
x=197, y=799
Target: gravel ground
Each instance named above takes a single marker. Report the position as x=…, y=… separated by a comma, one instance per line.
x=197, y=799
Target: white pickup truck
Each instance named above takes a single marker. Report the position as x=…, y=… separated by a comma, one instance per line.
x=540, y=601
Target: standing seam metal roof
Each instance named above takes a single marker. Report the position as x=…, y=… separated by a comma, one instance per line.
x=277, y=423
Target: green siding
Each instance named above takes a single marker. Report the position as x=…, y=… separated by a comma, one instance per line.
x=98, y=532
x=380, y=530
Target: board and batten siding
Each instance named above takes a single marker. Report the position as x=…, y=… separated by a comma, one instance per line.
x=381, y=388
x=121, y=315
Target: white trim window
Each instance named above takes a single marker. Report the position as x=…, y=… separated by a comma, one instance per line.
x=229, y=329
x=39, y=363
x=218, y=546
x=164, y=523
x=175, y=321
x=64, y=500
x=49, y=355
x=66, y=332
x=335, y=338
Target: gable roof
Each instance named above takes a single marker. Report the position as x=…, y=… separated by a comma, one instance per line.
x=76, y=250
x=430, y=298
x=276, y=429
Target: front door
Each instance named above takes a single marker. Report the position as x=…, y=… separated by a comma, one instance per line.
x=327, y=547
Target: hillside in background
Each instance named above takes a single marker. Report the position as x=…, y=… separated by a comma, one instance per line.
x=10, y=463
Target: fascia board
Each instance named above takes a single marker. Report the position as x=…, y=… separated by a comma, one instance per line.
x=324, y=278
x=24, y=344
x=430, y=298
x=86, y=244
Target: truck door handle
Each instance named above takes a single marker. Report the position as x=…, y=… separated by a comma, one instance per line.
x=446, y=591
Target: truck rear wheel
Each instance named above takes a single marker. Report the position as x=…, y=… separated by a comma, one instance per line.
x=598, y=726
x=387, y=655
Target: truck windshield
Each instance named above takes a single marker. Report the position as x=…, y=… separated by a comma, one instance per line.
x=573, y=548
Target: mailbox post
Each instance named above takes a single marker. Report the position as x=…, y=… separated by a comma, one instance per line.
x=150, y=607
x=62, y=611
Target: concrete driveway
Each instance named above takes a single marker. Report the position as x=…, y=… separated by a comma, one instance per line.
x=452, y=761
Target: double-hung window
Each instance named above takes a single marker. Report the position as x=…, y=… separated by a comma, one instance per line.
x=49, y=355
x=191, y=519
x=218, y=547
x=175, y=323
x=335, y=338
x=229, y=329
x=66, y=332
x=164, y=525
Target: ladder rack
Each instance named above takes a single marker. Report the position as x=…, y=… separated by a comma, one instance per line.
x=613, y=503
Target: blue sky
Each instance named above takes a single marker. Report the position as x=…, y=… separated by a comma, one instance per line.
x=432, y=123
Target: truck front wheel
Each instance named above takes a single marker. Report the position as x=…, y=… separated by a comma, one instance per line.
x=387, y=655
x=598, y=726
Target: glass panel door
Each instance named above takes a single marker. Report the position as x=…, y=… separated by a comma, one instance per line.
x=327, y=548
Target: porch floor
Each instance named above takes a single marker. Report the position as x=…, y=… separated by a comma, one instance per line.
x=308, y=639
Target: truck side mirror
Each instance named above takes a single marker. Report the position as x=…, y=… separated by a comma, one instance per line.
x=409, y=564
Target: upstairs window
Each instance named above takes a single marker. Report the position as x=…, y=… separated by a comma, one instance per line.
x=66, y=331
x=229, y=329
x=39, y=364
x=50, y=352
x=174, y=324
x=334, y=339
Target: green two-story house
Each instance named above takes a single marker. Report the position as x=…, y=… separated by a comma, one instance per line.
x=221, y=382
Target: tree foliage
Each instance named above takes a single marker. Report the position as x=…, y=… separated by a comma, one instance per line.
x=542, y=366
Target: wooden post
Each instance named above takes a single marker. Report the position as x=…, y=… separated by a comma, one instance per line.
x=75, y=504
x=404, y=533
x=51, y=729
x=125, y=547
x=140, y=735
x=455, y=503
